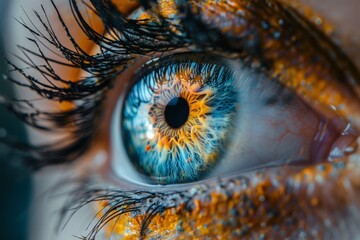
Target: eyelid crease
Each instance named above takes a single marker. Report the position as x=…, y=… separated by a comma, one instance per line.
x=286, y=194
x=79, y=90
x=306, y=177
x=305, y=83
x=335, y=86
x=346, y=100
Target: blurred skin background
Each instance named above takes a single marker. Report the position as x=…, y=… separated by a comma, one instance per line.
x=15, y=181
x=27, y=211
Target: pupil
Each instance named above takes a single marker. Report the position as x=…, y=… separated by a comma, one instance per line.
x=176, y=112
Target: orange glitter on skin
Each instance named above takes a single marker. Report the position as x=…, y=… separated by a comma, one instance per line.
x=289, y=203
x=272, y=205
x=293, y=63
x=318, y=20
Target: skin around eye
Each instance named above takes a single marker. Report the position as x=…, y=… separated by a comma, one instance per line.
x=259, y=208
x=231, y=119
x=203, y=207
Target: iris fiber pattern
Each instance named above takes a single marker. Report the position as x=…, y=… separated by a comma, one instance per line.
x=188, y=152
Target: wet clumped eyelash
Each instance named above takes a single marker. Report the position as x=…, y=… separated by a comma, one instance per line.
x=102, y=69
x=265, y=35
x=125, y=44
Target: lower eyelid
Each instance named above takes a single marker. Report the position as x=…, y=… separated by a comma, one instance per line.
x=100, y=153
x=268, y=198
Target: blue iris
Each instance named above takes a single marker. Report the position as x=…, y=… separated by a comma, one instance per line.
x=177, y=119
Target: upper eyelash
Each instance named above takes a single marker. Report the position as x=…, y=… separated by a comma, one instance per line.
x=91, y=90
x=112, y=60
x=92, y=93
x=102, y=68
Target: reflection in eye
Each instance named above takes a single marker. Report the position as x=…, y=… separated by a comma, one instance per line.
x=178, y=118
x=188, y=113
x=272, y=96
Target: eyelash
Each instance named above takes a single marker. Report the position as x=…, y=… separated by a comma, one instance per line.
x=90, y=92
x=115, y=54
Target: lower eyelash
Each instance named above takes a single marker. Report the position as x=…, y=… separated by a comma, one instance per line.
x=91, y=92
x=265, y=205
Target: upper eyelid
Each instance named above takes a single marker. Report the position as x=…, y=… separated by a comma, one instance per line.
x=345, y=98
x=339, y=25
x=75, y=84
x=310, y=29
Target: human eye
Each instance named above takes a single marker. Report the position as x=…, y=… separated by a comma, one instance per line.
x=224, y=119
